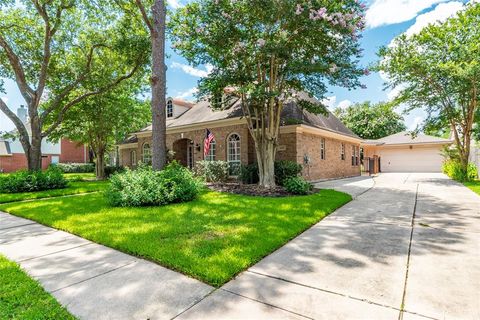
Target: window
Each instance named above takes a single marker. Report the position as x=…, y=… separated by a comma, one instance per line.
x=211, y=153
x=357, y=156
x=169, y=109
x=233, y=154
x=342, y=151
x=353, y=155
x=147, y=154
x=133, y=158
x=322, y=149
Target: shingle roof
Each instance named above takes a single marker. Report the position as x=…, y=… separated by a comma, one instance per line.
x=292, y=113
x=405, y=137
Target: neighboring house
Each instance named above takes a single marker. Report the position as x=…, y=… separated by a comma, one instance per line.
x=12, y=156
x=401, y=152
x=321, y=144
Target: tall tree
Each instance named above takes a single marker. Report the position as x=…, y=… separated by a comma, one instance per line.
x=438, y=70
x=268, y=51
x=54, y=51
x=155, y=22
x=371, y=121
x=103, y=120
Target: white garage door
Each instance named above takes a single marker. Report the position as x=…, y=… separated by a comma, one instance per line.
x=417, y=159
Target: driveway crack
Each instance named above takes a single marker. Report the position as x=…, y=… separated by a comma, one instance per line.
x=412, y=225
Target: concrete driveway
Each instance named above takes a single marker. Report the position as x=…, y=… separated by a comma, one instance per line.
x=407, y=247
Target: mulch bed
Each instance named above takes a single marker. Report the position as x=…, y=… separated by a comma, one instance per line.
x=251, y=190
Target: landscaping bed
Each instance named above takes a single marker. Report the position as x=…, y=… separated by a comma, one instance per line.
x=251, y=189
x=212, y=238
x=21, y=297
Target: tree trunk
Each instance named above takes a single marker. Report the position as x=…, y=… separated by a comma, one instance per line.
x=100, y=164
x=158, y=83
x=266, y=150
x=34, y=153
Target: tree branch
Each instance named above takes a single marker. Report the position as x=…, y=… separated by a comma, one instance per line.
x=145, y=17
x=89, y=94
x=22, y=130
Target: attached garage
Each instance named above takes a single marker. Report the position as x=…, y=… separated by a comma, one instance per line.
x=403, y=153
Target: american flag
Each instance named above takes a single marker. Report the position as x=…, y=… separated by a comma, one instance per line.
x=206, y=144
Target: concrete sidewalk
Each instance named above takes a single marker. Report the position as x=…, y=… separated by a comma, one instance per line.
x=93, y=281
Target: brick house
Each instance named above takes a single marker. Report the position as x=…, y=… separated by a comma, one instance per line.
x=320, y=143
x=12, y=156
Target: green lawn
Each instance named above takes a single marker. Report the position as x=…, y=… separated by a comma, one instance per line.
x=212, y=238
x=473, y=185
x=79, y=176
x=74, y=187
x=21, y=297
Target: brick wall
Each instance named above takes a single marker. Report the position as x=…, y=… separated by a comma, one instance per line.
x=72, y=152
x=292, y=146
x=330, y=167
x=18, y=161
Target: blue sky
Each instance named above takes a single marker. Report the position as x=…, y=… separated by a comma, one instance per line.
x=386, y=19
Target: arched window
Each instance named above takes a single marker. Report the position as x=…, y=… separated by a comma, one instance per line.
x=233, y=154
x=146, y=154
x=133, y=158
x=211, y=153
x=169, y=109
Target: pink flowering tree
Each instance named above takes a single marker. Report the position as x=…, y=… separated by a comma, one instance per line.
x=268, y=51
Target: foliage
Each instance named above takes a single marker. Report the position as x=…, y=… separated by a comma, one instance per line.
x=27, y=181
x=60, y=53
x=75, y=167
x=454, y=169
x=212, y=171
x=212, y=238
x=111, y=170
x=283, y=169
x=371, y=121
x=24, y=298
x=438, y=70
x=146, y=187
x=297, y=185
x=74, y=187
x=267, y=52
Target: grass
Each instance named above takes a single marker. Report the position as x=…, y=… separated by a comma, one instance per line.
x=212, y=238
x=79, y=176
x=74, y=187
x=21, y=297
x=473, y=185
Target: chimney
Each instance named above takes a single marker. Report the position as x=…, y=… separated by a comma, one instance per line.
x=22, y=113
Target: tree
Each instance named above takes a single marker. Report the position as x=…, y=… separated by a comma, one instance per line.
x=268, y=51
x=103, y=120
x=155, y=23
x=371, y=121
x=438, y=70
x=55, y=51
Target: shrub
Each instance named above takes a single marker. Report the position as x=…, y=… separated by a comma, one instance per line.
x=146, y=187
x=75, y=167
x=454, y=170
x=286, y=169
x=297, y=185
x=283, y=169
x=26, y=181
x=110, y=170
x=212, y=171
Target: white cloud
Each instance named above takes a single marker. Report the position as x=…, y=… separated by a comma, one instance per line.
x=175, y=4
x=344, y=104
x=441, y=13
x=188, y=93
x=417, y=121
x=330, y=102
x=385, y=12
x=191, y=70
